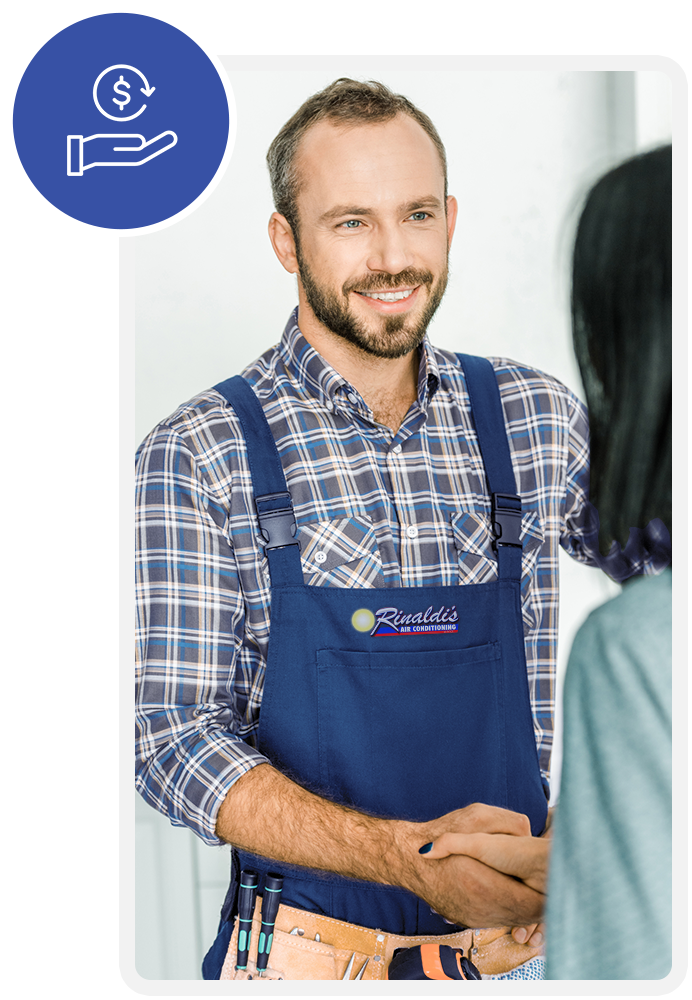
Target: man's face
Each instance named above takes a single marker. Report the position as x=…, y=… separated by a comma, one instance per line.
x=373, y=232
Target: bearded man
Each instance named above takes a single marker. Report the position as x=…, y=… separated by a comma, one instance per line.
x=348, y=580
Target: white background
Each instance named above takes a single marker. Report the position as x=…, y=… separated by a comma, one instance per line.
x=67, y=413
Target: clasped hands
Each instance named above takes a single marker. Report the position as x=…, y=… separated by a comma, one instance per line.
x=503, y=867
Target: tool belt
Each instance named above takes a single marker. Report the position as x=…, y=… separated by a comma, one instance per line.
x=297, y=956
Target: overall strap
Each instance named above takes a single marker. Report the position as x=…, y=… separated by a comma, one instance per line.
x=488, y=419
x=273, y=501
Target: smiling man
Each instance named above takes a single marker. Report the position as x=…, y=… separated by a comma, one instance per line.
x=348, y=579
x=373, y=268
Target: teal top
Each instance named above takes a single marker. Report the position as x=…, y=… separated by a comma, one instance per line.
x=609, y=891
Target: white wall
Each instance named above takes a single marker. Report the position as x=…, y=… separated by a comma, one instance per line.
x=523, y=147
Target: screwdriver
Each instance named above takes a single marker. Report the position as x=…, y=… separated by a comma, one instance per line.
x=249, y=881
x=270, y=905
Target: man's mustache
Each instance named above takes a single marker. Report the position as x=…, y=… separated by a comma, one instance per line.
x=386, y=282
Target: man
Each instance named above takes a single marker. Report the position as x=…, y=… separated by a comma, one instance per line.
x=340, y=609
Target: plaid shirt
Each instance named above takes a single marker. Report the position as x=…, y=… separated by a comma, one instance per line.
x=374, y=509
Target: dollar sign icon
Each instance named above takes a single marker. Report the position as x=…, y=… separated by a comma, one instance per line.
x=126, y=96
x=121, y=88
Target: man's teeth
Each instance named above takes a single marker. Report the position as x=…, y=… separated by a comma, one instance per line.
x=389, y=296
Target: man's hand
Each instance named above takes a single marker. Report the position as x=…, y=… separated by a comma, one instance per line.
x=465, y=891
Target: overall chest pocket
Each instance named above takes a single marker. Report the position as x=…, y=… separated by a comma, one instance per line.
x=412, y=734
x=473, y=540
x=341, y=552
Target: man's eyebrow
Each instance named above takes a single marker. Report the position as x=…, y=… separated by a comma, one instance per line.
x=341, y=211
x=416, y=206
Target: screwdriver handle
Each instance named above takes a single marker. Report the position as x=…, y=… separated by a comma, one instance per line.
x=270, y=905
x=249, y=881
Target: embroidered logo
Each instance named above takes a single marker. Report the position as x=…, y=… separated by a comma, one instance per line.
x=393, y=621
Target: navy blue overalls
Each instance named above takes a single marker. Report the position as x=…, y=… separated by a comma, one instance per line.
x=402, y=702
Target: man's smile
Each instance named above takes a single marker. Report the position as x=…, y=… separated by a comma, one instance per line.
x=389, y=296
x=390, y=302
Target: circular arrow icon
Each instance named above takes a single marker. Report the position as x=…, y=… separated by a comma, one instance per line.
x=123, y=97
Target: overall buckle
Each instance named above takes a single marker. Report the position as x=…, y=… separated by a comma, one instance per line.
x=506, y=519
x=276, y=520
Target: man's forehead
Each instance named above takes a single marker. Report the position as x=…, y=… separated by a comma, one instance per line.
x=327, y=132
x=357, y=152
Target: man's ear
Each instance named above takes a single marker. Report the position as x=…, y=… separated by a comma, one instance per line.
x=452, y=211
x=281, y=235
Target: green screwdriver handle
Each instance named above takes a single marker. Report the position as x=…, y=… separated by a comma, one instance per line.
x=270, y=905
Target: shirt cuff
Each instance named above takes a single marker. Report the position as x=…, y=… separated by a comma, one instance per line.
x=188, y=783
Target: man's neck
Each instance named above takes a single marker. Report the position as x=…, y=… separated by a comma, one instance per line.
x=388, y=386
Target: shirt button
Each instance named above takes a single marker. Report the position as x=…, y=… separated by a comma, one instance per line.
x=321, y=557
x=412, y=531
x=352, y=397
x=397, y=449
x=329, y=405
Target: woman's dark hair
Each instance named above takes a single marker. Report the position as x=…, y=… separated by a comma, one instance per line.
x=621, y=322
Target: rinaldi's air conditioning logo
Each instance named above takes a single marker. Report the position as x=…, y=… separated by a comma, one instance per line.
x=393, y=621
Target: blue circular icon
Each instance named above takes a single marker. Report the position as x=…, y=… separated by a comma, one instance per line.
x=121, y=121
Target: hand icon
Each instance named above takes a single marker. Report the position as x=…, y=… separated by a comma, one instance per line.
x=102, y=151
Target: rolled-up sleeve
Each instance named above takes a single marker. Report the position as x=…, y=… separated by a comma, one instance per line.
x=189, y=630
x=577, y=522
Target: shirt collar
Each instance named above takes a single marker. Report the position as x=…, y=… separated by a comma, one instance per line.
x=306, y=366
x=320, y=380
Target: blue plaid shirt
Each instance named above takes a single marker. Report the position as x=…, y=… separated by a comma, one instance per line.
x=374, y=509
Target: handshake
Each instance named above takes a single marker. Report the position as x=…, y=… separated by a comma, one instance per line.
x=481, y=867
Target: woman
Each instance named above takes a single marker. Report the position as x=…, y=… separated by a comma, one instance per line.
x=609, y=887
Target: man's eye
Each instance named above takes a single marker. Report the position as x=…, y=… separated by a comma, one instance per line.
x=419, y=216
x=351, y=224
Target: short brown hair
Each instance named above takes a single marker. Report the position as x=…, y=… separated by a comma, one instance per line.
x=346, y=102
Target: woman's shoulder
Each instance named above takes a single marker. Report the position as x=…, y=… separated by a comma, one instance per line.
x=631, y=633
x=642, y=600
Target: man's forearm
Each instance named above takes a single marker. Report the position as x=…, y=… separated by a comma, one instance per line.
x=267, y=814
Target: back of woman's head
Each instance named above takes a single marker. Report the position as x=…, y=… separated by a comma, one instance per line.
x=621, y=317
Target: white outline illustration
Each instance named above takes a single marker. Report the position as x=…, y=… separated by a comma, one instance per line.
x=146, y=90
x=75, y=154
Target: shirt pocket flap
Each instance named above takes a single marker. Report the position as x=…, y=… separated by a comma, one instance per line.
x=341, y=552
x=473, y=538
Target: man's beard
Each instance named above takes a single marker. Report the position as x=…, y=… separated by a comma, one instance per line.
x=390, y=336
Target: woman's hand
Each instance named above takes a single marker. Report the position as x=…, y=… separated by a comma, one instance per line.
x=525, y=858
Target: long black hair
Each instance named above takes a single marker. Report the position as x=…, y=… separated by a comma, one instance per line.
x=621, y=323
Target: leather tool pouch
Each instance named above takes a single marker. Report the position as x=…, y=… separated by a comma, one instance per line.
x=296, y=957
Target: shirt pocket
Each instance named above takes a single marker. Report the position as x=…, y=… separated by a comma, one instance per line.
x=340, y=553
x=473, y=540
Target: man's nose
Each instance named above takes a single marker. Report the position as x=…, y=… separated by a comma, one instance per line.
x=389, y=250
